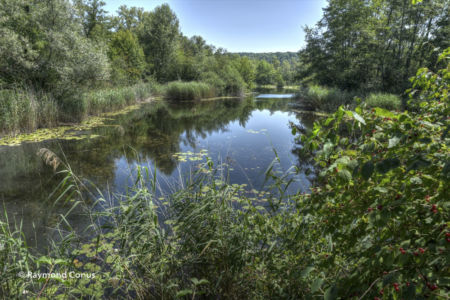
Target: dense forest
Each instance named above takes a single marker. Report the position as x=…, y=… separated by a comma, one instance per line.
x=372, y=222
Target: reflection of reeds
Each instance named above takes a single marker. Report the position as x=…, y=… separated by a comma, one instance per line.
x=49, y=158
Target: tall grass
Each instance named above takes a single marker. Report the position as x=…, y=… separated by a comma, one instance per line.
x=383, y=100
x=22, y=110
x=113, y=99
x=324, y=98
x=329, y=99
x=201, y=246
x=178, y=90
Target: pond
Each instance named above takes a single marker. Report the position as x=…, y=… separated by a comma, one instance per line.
x=244, y=135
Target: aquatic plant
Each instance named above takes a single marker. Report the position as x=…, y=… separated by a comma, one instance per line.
x=383, y=100
x=188, y=91
x=324, y=99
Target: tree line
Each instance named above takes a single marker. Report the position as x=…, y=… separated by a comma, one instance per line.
x=59, y=46
x=53, y=52
x=375, y=45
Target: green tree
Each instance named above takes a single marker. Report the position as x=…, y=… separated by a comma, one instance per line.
x=127, y=57
x=247, y=70
x=158, y=36
x=42, y=46
x=374, y=45
x=265, y=73
x=93, y=18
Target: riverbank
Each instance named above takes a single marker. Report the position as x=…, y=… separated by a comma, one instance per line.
x=28, y=116
x=326, y=99
x=25, y=111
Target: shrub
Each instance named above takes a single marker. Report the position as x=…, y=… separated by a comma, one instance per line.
x=382, y=202
x=383, y=100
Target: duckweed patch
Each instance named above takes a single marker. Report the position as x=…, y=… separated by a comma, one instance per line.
x=190, y=156
x=70, y=132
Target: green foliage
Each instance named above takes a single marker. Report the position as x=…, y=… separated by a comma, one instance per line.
x=375, y=45
x=265, y=73
x=325, y=99
x=158, y=35
x=25, y=111
x=127, y=58
x=36, y=38
x=14, y=258
x=188, y=91
x=383, y=100
x=382, y=200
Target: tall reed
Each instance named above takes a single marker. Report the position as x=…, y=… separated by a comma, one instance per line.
x=189, y=91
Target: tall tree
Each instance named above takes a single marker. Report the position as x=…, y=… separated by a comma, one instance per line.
x=158, y=35
x=127, y=57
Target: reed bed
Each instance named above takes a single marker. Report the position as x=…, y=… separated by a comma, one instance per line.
x=179, y=91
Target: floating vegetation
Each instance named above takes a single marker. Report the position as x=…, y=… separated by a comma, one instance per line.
x=257, y=131
x=69, y=132
x=190, y=156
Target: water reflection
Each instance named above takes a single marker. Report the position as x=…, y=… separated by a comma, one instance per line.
x=241, y=132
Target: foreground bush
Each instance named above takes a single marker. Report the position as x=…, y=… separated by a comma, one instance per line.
x=382, y=203
x=178, y=90
x=387, y=101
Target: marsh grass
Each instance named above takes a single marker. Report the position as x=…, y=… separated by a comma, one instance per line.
x=325, y=99
x=329, y=99
x=25, y=111
x=384, y=100
x=108, y=100
x=22, y=110
x=180, y=91
x=209, y=242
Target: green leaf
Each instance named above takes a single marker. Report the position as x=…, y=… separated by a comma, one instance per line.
x=381, y=112
x=359, y=118
x=345, y=175
x=184, y=293
x=331, y=293
x=367, y=170
x=316, y=285
x=387, y=165
x=393, y=142
x=306, y=271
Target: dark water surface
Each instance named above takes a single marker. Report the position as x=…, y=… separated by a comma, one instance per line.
x=174, y=139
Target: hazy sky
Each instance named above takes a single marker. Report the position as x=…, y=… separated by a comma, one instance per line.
x=240, y=25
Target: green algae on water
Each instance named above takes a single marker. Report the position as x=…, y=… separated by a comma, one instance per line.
x=69, y=132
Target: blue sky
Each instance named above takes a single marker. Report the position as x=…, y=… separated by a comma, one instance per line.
x=241, y=25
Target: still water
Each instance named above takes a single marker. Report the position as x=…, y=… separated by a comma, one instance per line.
x=172, y=138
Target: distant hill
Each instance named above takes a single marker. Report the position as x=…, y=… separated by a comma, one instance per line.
x=269, y=56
